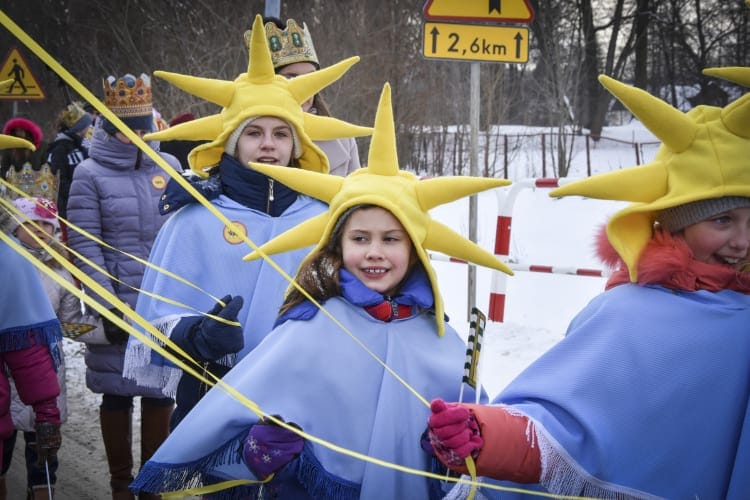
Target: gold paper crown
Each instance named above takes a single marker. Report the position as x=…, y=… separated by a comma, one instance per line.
x=128, y=96
x=72, y=113
x=290, y=45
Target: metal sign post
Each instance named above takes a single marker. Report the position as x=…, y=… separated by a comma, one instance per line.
x=474, y=170
x=492, y=35
x=273, y=8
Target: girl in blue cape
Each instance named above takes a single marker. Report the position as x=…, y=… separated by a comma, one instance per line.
x=30, y=338
x=647, y=395
x=359, y=387
x=198, y=248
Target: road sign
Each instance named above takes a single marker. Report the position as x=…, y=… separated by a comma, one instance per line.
x=472, y=42
x=23, y=85
x=498, y=11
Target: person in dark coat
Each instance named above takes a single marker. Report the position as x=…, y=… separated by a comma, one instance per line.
x=67, y=151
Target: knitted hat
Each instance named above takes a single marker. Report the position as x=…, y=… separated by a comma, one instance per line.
x=230, y=147
x=36, y=209
x=676, y=218
x=258, y=92
x=383, y=184
x=130, y=100
x=288, y=45
x=24, y=124
x=703, y=157
x=74, y=118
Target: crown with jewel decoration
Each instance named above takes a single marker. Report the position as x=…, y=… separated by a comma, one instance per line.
x=290, y=45
x=128, y=96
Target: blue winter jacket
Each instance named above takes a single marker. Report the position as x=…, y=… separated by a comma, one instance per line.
x=115, y=197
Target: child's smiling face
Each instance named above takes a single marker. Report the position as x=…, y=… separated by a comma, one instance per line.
x=376, y=249
x=721, y=239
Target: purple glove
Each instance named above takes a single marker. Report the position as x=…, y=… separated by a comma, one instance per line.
x=454, y=432
x=269, y=447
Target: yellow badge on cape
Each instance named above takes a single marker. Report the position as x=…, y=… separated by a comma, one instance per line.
x=236, y=234
x=159, y=181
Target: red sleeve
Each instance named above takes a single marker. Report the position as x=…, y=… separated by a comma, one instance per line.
x=510, y=450
x=36, y=381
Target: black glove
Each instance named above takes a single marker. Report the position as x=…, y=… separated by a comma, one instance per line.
x=213, y=339
x=48, y=440
x=114, y=334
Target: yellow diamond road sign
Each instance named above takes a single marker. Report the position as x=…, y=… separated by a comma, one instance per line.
x=21, y=84
x=474, y=42
x=499, y=11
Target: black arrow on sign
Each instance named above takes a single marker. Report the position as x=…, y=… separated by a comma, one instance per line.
x=518, y=38
x=434, y=34
x=495, y=5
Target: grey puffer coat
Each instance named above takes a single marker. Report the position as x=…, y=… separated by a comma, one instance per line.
x=114, y=196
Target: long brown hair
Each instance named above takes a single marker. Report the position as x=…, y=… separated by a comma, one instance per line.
x=318, y=276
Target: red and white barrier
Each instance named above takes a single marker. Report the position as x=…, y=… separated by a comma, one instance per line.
x=506, y=199
x=533, y=268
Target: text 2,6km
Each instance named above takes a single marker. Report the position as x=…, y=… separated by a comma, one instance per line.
x=477, y=46
x=476, y=42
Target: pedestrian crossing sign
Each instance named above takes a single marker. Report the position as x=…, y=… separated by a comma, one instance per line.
x=21, y=81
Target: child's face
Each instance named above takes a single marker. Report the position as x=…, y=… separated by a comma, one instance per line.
x=376, y=249
x=723, y=239
x=266, y=140
x=45, y=232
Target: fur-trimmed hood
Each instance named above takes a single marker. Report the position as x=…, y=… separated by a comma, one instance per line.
x=668, y=261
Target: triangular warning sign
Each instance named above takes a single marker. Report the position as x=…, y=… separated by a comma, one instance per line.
x=18, y=82
x=483, y=11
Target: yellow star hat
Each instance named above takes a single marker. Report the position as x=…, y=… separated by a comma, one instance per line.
x=383, y=184
x=259, y=92
x=11, y=141
x=703, y=155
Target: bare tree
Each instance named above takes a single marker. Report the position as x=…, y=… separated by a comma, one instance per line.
x=658, y=44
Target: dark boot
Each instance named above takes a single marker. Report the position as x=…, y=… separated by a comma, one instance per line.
x=117, y=434
x=40, y=493
x=154, y=430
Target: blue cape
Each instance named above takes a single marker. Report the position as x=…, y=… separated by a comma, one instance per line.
x=647, y=395
x=193, y=244
x=26, y=315
x=314, y=374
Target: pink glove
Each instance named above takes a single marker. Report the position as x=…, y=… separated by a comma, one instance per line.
x=454, y=432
